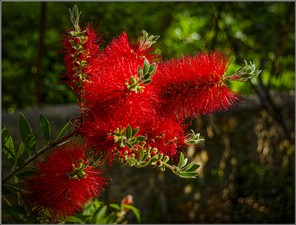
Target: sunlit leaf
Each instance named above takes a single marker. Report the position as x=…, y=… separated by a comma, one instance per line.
x=8, y=146
x=99, y=219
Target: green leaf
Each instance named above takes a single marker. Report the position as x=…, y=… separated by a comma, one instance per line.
x=27, y=135
x=114, y=206
x=74, y=219
x=152, y=69
x=100, y=215
x=191, y=167
x=146, y=66
x=11, y=188
x=181, y=161
x=45, y=127
x=135, y=131
x=135, y=211
x=111, y=218
x=131, y=161
x=64, y=130
x=129, y=145
x=20, y=150
x=147, y=76
x=8, y=146
x=128, y=132
x=143, y=163
x=141, y=138
x=14, y=210
x=146, y=81
x=188, y=174
x=140, y=73
x=25, y=174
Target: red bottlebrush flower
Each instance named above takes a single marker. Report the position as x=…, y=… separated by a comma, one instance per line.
x=64, y=182
x=81, y=49
x=111, y=90
x=166, y=135
x=122, y=47
x=193, y=85
x=98, y=129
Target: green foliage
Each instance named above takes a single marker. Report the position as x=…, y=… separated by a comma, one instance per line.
x=15, y=211
x=186, y=171
x=8, y=146
x=97, y=212
x=127, y=137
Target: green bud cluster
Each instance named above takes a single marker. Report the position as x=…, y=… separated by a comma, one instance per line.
x=135, y=83
x=139, y=155
x=79, y=171
x=147, y=41
x=193, y=138
x=77, y=41
x=245, y=73
x=144, y=157
x=185, y=170
x=126, y=137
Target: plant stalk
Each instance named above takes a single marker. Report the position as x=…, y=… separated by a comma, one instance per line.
x=37, y=154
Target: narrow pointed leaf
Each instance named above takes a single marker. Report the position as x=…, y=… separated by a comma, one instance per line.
x=146, y=81
x=188, y=174
x=25, y=174
x=135, y=131
x=74, y=219
x=191, y=167
x=45, y=127
x=135, y=211
x=100, y=215
x=146, y=76
x=141, y=138
x=64, y=130
x=128, y=132
x=27, y=135
x=21, y=150
x=8, y=146
x=146, y=66
x=181, y=160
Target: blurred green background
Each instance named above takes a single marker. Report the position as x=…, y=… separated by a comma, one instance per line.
x=248, y=156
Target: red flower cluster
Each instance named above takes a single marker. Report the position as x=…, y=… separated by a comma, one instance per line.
x=191, y=86
x=128, y=86
x=63, y=183
x=81, y=49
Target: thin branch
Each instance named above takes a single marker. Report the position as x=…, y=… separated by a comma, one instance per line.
x=37, y=154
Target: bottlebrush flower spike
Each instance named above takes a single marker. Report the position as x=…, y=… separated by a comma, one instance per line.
x=101, y=130
x=193, y=85
x=166, y=135
x=63, y=183
x=81, y=50
x=122, y=47
x=119, y=89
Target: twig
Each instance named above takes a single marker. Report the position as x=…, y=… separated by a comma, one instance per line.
x=36, y=155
